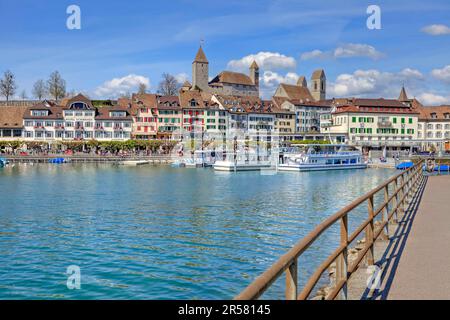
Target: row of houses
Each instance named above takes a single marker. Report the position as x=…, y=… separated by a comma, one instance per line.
x=231, y=101
x=356, y=121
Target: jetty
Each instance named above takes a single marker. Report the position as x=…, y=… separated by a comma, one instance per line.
x=399, y=251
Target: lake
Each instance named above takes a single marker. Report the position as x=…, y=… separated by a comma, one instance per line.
x=155, y=232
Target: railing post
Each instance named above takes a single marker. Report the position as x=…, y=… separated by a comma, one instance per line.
x=342, y=260
x=385, y=216
x=401, y=204
x=395, y=200
x=291, y=281
x=370, y=233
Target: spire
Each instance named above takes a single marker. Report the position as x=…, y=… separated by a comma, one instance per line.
x=302, y=82
x=200, y=56
x=403, y=96
x=254, y=65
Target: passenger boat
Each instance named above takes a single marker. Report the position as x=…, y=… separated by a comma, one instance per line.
x=233, y=166
x=320, y=158
x=244, y=161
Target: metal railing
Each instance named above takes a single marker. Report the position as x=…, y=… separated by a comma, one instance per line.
x=395, y=191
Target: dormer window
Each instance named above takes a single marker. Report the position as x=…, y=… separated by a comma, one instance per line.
x=193, y=103
x=447, y=115
x=117, y=114
x=433, y=115
x=39, y=113
x=78, y=106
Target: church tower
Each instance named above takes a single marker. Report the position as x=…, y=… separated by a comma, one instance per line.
x=200, y=71
x=319, y=85
x=302, y=82
x=254, y=73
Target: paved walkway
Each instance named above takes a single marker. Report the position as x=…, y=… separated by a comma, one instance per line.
x=423, y=271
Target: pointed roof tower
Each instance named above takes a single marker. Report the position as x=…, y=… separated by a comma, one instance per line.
x=254, y=65
x=317, y=74
x=302, y=82
x=200, y=56
x=403, y=96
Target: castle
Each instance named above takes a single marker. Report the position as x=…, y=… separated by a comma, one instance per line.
x=225, y=83
x=239, y=84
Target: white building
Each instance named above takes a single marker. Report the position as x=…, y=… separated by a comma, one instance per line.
x=76, y=119
x=373, y=122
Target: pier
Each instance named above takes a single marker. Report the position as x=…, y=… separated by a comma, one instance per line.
x=398, y=252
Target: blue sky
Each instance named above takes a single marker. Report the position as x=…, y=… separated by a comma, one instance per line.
x=124, y=42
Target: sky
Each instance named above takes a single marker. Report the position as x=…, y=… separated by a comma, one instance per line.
x=124, y=43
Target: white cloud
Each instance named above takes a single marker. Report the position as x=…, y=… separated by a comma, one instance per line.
x=348, y=50
x=270, y=80
x=430, y=99
x=181, y=77
x=374, y=83
x=120, y=86
x=315, y=54
x=265, y=60
x=442, y=74
x=357, y=50
x=436, y=29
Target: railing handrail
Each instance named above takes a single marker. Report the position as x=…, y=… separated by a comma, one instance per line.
x=264, y=281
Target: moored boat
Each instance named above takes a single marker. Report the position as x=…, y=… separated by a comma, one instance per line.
x=233, y=166
x=318, y=160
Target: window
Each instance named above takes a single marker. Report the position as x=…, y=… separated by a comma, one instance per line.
x=403, y=120
x=410, y=120
x=117, y=114
x=394, y=120
x=39, y=113
x=354, y=119
x=78, y=106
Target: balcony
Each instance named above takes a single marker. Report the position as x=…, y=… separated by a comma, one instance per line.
x=384, y=124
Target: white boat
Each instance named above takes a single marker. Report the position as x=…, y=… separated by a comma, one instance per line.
x=233, y=166
x=322, y=160
x=247, y=160
x=202, y=159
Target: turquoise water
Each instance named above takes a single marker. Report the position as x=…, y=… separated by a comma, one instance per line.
x=158, y=232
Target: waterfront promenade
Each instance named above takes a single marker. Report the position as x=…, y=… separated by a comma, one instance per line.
x=424, y=264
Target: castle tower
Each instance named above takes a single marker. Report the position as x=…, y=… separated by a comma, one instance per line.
x=200, y=71
x=254, y=73
x=302, y=82
x=319, y=85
